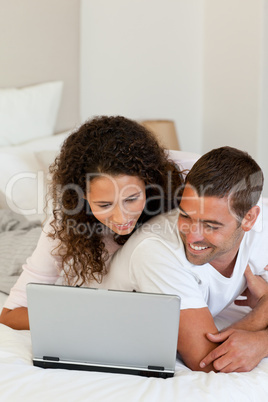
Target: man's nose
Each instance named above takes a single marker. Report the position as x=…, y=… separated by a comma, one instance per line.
x=194, y=233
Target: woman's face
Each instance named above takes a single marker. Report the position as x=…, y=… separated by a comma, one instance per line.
x=117, y=201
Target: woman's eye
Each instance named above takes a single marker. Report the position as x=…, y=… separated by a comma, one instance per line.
x=104, y=205
x=131, y=199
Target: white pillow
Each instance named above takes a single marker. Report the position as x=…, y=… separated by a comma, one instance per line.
x=184, y=160
x=46, y=158
x=29, y=112
x=23, y=184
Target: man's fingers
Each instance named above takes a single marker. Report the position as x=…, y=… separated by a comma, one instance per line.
x=248, y=273
x=219, y=337
x=213, y=355
x=227, y=366
x=241, y=302
x=221, y=363
x=219, y=351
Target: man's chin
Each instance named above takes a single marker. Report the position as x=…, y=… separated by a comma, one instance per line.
x=197, y=259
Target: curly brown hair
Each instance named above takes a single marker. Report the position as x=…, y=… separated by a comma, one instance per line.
x=113, y=146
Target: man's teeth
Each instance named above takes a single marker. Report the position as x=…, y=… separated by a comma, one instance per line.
x=197, y=248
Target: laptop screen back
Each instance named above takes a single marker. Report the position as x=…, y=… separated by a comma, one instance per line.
x=95, y=327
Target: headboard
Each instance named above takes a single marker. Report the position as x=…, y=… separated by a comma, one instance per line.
x=40, y=43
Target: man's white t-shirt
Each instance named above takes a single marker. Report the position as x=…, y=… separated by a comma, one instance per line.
x=153, y=260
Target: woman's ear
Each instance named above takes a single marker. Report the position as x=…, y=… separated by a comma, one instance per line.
x=250, y=218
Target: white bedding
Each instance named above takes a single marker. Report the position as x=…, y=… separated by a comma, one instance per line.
x=24, y=175
x=21, y=381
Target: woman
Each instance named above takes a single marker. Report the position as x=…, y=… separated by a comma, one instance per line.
x=110, y=177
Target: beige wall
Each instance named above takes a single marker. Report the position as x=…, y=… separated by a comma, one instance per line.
x=263, y=112
x=40, y=42
x=232, y=49
x=201, y=63
x=235, y=83
x=143, y=59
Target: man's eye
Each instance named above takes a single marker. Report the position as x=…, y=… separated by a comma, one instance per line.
x=210, y=227
x=184, y=216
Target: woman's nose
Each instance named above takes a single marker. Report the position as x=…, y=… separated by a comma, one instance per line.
x=118, y=215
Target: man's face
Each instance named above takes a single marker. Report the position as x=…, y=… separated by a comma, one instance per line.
x=209, y=231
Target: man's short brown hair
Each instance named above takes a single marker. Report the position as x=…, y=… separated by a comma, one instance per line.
x=228, y=172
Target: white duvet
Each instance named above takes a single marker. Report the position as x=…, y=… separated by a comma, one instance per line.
x=21, y=381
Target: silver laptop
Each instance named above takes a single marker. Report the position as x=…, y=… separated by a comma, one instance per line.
x=103, y=330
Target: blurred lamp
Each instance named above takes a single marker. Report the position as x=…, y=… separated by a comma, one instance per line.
x=165, y=132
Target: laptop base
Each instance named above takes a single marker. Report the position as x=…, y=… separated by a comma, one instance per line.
x=117, y=370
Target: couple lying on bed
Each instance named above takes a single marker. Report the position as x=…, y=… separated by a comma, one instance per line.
x=203, y=243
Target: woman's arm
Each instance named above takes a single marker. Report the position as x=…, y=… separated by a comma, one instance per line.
x=16, y=319
x=41, y=267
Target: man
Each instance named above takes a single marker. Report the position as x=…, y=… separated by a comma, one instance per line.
x=207, y=253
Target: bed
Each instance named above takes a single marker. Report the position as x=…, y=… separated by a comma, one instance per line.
x=21, y=381
x=24, y=162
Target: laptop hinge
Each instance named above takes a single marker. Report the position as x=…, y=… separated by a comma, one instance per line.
x=157, y=368
x=52, y=358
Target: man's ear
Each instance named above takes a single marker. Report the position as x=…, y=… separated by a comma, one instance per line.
x=250, y=218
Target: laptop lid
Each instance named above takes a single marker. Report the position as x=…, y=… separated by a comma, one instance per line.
x=103, y=330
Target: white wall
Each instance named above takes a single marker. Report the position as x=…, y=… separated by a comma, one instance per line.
x=39, y=42
x=143, y=59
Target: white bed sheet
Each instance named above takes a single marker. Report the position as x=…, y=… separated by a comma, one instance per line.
x=21, y=381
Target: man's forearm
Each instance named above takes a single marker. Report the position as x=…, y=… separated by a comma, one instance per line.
x=266, y=341
x=257, y=319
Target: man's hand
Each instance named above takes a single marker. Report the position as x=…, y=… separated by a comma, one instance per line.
x=245, y=343
x=257, y=288
x=240, y=351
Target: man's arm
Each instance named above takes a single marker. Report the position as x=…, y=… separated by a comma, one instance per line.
x=16, y=319
x=245, y=343
x=257, y=298
x=192, y=342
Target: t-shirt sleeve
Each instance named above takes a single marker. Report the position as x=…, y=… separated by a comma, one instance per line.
x=40, y=267
x=258, y=241
x=155, y=268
